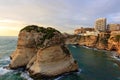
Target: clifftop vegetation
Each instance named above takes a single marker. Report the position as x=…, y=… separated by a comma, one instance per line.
x=36, y=28
x=49, y=32
x=45, y=37
x=117, y=38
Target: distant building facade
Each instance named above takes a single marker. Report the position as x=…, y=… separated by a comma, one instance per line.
x=82, y=30
x=113, y=27
x=79, y=31
x=100, y=24
x=89, y=33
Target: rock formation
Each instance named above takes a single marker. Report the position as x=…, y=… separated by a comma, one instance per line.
x=42, y=52
x=89, y=41
x=99, y=42
x=104, y=41
x=52, y=61
x=114, y=42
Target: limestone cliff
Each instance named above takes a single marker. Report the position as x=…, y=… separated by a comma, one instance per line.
x=89, y=41
x=104, y=41
x=52, y=61
x=26, y=49
x=114, y=42
x=42, y=52
x=99, y=41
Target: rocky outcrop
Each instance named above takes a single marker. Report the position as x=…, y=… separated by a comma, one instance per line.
x=99, y=42
x=52, y=61
x=89, y=41
x=42, y=52
x=114, y=42
x=26, y=49
x=104, y=41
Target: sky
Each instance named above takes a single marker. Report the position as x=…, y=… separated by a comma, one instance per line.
x=64, y=15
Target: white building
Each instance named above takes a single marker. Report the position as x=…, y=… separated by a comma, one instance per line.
x=88, y=33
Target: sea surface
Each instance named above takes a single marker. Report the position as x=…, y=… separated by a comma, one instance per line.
x=93, y=64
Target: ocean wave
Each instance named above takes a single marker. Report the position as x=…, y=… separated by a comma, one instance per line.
x=62, y=76
x=58, y=78
x=116, y=65
x=116, y=58
x=25, y=75
x=79, y=71
x=4, y=71
x=86, y=47
x=5, y=58
x=118, y=78
x=114, y=55
x=74, y=46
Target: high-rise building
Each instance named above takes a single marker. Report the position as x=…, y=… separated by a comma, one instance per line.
x=113, y=27
x=100, y=24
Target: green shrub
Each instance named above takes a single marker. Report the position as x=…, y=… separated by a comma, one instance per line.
x=30, y=27
x=35, y=28
x=117, y=38
x=48, y=33
x=104, y=39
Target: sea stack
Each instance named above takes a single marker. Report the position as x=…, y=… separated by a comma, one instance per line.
x=42, y=52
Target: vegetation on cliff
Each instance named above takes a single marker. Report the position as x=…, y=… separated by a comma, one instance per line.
x=104, y=40
x=117, y=38
x=40, y=46
x=29, y=28
x=36, y=28
x=47, y=35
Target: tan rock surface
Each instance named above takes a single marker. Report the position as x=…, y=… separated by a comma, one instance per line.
x=42, y=51
x=114, y=44
x=53, y=61
x=25, y=50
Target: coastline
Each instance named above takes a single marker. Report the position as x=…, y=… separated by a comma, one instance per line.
x=113, y=54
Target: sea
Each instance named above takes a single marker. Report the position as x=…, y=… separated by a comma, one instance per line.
x=93, y=64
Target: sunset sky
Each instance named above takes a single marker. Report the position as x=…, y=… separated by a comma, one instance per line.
x=65, y=15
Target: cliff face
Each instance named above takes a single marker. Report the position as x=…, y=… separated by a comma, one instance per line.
x=99, y=41
x=89, y=41
x=103, y=41
x=42, y=52
x=26, y=49
x=114, y=42
x=52, y=61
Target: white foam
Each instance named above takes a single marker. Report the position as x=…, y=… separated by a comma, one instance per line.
x=79, y=71
x=59, y=77
x=4, y=71
x=116, y=58
x=25, y=75
x=74, y=46
x=5, y=59
x=115, y=64
x=95, y=49
x=118, y=78
x=86, y=47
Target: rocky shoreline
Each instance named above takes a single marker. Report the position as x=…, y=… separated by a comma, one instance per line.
x=42, y=52
x=104, y=41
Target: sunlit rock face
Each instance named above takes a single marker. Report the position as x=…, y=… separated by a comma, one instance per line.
x=42, y=52
x=114, y=42
x=52, y=61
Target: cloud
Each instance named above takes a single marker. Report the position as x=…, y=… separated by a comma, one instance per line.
x=114, y=18
x=62, y=14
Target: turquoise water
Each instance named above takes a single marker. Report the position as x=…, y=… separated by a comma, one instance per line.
x=7, y=46
x=94, y=65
